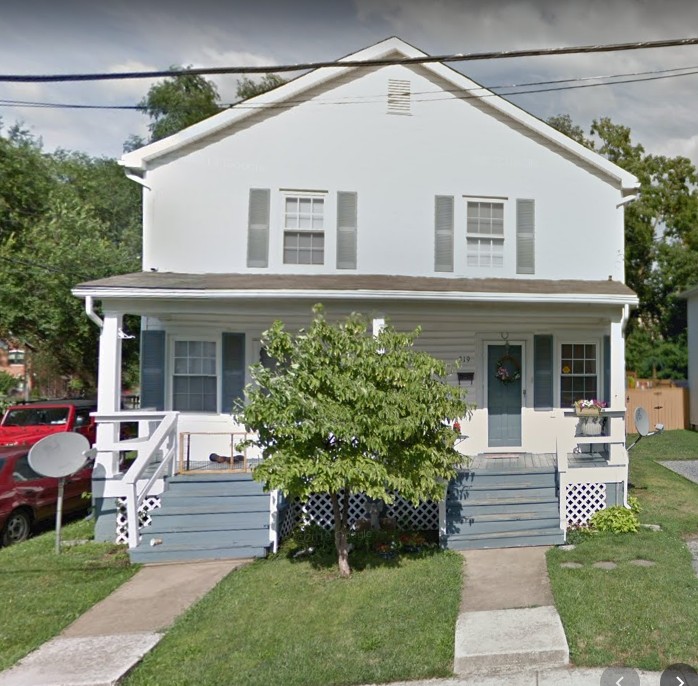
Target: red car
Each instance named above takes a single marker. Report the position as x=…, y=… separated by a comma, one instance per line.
x=25, y=424
x=27, y=498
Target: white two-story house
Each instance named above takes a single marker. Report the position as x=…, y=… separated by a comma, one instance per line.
x=409, y=193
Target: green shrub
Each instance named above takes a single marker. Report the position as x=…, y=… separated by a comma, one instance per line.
x=617, y=520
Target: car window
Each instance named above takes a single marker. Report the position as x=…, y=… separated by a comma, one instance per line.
x=22, y=470
x=36, y=416
x=82, y=418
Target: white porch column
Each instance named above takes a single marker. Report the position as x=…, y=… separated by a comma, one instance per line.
x=617, y=367
x=109, y=392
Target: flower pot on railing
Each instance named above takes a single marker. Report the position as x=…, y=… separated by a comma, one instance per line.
x=588, y=412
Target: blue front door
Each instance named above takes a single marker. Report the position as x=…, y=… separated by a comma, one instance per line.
x=504, y=395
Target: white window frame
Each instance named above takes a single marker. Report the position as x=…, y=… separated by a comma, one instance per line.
x=578, y=340
x=171, y=369
x=479, y=238
x=288, y=194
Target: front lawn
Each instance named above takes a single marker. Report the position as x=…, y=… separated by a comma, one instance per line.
x=42, y=593
x=644, y=617
x=280, y=621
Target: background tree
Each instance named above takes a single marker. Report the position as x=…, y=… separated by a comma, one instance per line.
x=177, y=102
x=8, y=383
x=247, y=88
x=79, y=220
x=344, y=412
x=661, y=243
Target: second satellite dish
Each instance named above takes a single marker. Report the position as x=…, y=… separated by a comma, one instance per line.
x=59, y=455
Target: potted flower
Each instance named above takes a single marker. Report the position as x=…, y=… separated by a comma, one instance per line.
x=588, y=408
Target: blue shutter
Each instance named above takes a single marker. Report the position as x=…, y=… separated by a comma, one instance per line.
x=607, y=369
x=346, y=230
x=543, y=377
x=153, y=369
x=258, y=228
x=233, y=370
x=525, y=236
x=443, y=233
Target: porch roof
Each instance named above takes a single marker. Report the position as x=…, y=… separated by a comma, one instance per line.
x=160, y=285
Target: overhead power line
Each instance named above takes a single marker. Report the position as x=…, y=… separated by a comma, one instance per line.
x=468, y=93
x=303, y=66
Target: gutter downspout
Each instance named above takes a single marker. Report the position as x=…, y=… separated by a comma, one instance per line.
x=90, y=311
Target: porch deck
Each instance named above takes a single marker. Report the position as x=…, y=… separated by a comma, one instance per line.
x=512, y=463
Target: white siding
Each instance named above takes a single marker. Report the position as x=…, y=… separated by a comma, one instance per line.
x=196, y=215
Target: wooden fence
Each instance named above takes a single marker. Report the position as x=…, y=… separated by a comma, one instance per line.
x=664, y=405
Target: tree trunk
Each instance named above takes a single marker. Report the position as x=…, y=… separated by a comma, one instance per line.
x=341, y=532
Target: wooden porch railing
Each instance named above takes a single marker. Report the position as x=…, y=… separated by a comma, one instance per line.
x=155, y=449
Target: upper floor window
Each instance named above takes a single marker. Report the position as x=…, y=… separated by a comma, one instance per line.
x=578, y=373
x=485, y=234
x=304, y=229
x=15, y=356
x=194, y=380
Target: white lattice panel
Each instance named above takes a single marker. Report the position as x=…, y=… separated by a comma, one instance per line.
x=144, y=519
x=582, y=501
x=318, y=510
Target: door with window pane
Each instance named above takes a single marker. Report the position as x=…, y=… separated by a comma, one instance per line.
x=194, y=381
x=504, y=395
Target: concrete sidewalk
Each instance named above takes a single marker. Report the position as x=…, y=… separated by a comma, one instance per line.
x=113, y=636
x=508, y=622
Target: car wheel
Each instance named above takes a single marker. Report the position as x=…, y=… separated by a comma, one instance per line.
x=17, y=528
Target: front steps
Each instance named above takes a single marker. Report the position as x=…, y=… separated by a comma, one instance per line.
x=207, y=517
x=502, y=509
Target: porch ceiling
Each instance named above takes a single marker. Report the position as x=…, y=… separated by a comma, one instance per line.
x=354, y=286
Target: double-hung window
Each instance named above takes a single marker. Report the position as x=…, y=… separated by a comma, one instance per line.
x=304, y=229
x=485, y=234
x=578, y=372
x=194, y=380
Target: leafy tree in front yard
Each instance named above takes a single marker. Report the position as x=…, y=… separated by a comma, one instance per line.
x=341, y=411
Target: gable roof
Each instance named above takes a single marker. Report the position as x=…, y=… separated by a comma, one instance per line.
x=388, y=48
x=158, y=285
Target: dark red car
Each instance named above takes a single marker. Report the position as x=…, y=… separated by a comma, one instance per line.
x=27, y=423
x=27, y=498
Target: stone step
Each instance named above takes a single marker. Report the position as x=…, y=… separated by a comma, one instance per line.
x=509, y=641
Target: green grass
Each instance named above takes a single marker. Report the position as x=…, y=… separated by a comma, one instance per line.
x=634, y=616
x=42, y=593
x=287, y=622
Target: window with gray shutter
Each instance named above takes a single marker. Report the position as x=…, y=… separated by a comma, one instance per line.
x=543, y=380
x=233, y=370
x=258, y=228
x=443, y=233
x=152, y=370
x=346, y=230
x=525, y=237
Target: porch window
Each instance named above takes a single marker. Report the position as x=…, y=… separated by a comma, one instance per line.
x=194, y=382
x=578, y=373
x=485, y=234
x=304, y=230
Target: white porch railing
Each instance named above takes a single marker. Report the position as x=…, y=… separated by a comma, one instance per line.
x=155, y=449
x=586, y=482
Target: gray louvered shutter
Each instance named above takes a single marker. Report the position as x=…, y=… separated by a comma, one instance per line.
x=607, y=369
x=233, y=358
x=543, y=377
x=153, y=370
x=258, y=228
x=346, y=230
x=525, y=237
x=443, y=233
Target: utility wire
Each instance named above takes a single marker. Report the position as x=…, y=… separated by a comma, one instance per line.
x=577, y=82
x=458, y=57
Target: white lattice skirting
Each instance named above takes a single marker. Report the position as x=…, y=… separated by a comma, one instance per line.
x=318, y=510
x=582, y=501
x=150, y=503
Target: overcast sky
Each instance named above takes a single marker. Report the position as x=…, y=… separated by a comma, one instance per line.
x=92, y=35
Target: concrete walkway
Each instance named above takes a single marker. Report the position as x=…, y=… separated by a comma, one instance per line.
x=113, y=636
x=507, y=622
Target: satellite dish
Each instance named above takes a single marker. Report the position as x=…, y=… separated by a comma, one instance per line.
x=642, y=421
x=59, y=455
